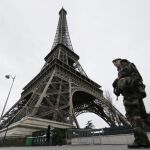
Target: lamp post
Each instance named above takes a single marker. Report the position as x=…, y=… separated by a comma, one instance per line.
x=13, y=79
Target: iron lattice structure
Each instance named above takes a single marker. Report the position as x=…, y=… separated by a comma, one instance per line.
x=62, y=90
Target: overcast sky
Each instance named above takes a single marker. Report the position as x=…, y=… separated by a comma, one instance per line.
x=100, y=31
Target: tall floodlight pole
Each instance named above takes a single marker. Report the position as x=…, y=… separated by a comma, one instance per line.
x=13, y=79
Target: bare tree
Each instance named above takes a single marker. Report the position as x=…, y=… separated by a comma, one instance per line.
x=108, y=96
x=89, y=125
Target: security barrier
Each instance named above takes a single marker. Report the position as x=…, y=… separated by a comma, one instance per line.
x=116, y=135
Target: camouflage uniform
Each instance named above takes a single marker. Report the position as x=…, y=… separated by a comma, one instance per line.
x=129, y=84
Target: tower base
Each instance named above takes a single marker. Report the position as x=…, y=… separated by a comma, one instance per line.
x=27, y=125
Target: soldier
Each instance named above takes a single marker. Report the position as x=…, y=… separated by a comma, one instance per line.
x=130, y=85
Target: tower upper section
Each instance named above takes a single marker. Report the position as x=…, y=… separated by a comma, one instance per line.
x=62, y=48
x=62, y=33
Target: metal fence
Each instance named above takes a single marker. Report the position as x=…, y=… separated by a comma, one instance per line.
x=115, y=135
x=74, y=133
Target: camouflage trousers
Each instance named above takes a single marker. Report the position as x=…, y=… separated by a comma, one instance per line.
x=136, y=114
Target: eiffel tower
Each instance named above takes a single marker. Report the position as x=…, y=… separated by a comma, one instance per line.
x=61, y=91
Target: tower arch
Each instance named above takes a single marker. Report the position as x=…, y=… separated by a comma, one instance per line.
x=61, y=89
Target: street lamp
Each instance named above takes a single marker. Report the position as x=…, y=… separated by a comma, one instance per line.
x=13, y=79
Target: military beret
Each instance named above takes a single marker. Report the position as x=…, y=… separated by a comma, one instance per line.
x=124, y=60
x=116, y=59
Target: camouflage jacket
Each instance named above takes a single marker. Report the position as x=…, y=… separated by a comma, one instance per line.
x=129, y=79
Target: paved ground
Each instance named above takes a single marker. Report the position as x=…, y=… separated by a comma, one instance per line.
x=87, y=147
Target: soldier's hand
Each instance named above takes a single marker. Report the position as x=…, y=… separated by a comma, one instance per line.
x=115, y=83
x=116, y=92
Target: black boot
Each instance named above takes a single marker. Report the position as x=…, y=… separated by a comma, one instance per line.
x=135, y=145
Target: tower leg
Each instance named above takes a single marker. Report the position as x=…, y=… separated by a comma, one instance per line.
x=76, y=121
x=42, y=95
x=70, y=104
